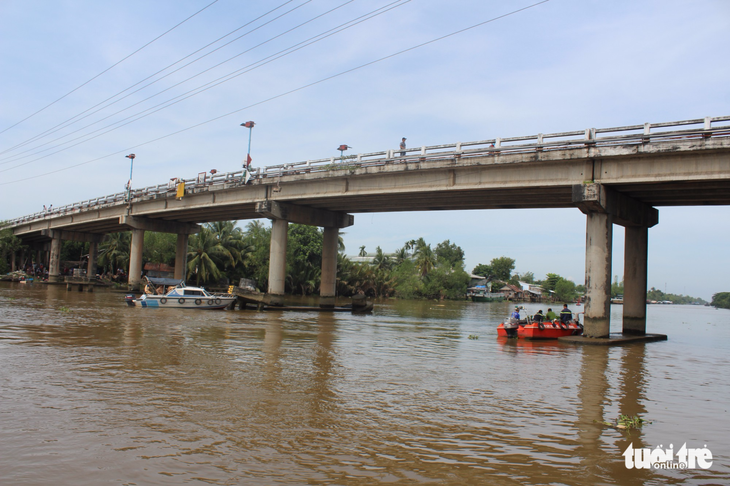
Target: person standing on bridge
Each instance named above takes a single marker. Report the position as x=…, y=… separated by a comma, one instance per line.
x=403, y=146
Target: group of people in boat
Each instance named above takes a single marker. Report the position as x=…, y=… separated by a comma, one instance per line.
x=566, y=315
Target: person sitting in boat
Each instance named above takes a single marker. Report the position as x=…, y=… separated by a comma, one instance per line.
x=551, y=316
x=516, y=313
x=566, y=315
x=539, y=317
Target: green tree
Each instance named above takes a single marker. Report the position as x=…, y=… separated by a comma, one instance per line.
x=482, y=270
x=256, y=263
x=502, y=268
x=616, y=287
x=425, y=257
x=159, y=247
x=721, y=300
x=9, y=243
x=362, y=251
x=204, y=250
x=565, y=290
x=449, y=254
x=304, y=258
x=114, y=251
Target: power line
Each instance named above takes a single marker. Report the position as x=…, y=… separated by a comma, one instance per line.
x=204, y=87
x=281, y=95
x=71, y=121
x=107, y=69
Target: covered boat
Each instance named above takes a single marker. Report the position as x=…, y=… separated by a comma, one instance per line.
x=178, y=296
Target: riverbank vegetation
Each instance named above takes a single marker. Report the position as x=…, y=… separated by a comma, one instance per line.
x=223, y=252
x=721, y=300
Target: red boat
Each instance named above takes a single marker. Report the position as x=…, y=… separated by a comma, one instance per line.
x=538, y=330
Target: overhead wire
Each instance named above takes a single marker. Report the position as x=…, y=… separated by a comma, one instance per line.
x=108, y=69
x=207, y=86
x=286, y=93
x=70, y=121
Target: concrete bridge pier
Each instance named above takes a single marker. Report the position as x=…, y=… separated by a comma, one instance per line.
x=181, y=256
x=281, y=215
x=603, y=207
x=635, y=280
x=277, y=260
x=134, y=275
x=54, y=266
x=93, y=255
x=328, y=281
x=139, y=225
x=599, y=249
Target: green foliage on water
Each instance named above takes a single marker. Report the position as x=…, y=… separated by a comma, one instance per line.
x=64, y=309
x=627, y=423
x=721, y=300
x=473, y=336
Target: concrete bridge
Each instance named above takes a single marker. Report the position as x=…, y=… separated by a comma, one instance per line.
x=614, y=175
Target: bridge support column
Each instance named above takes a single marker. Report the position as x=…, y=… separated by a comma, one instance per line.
x=12, y=261
x=599, y=239
x=635, y=280
x=603, y=207
x=277, y=259
x=328, y=285
x=93, y=253
x=134, y=278
x=181, y=256
x=54, y=265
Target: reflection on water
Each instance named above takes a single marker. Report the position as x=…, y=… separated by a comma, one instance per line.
x=101, y=392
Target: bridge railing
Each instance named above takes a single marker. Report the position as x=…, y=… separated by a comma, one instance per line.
x=630, y=134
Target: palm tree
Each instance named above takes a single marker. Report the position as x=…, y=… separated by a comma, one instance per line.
x=425, y=258
x=231, y=237
x=362, y=251
x=114, y=251
x=204, y=250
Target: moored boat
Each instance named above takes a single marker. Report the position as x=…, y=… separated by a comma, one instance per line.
x=481, y=294
x=178, y=296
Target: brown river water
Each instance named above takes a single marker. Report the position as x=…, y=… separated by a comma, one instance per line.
x=95, y=392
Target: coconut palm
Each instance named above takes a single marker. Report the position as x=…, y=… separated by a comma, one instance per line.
x=204, y=250
x=114, y=251
x=362, y=251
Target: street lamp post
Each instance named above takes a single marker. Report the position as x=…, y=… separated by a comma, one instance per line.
x=129, y=183
x=342, y=149
x=246, y=174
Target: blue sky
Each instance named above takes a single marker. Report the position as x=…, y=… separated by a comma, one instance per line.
x=558, y=66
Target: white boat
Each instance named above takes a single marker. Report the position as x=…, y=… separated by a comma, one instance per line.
x=178, y=296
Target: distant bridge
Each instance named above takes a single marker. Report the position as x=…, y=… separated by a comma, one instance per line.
x=614, y=175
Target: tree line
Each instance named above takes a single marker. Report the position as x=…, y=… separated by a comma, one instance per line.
x=223, y=252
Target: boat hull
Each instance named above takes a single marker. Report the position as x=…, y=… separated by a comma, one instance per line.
x=212, y=302
x=546, y=330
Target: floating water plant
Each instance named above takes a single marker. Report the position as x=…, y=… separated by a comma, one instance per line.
x=473, y=336
x=64, y=309
x=624, y=422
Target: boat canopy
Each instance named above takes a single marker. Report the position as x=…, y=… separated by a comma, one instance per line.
x=164, y=281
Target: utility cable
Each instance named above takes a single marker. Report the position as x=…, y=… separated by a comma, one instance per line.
x=71, y=121
x=109, y=68
x=281, y=95
x=204, y=87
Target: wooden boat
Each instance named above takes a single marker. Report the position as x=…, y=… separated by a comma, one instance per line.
x=178, y=296
x=528, y=329
x=480, y=294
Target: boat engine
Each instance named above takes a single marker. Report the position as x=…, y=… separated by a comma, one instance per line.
x=129, y=299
